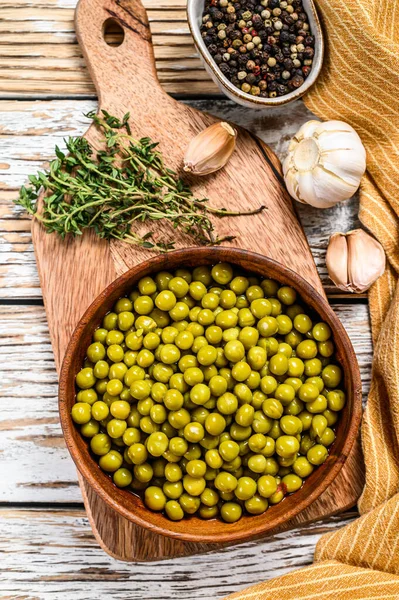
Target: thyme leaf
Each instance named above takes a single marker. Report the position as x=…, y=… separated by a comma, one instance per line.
x=111, y=189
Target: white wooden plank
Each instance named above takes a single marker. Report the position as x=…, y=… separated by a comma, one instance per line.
x=30, y=130
x=35, y=465
x=52, y=555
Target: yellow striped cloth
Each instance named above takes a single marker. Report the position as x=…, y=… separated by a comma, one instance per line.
x=359, y=84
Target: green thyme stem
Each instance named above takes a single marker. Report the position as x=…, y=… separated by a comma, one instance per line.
x=111, y=189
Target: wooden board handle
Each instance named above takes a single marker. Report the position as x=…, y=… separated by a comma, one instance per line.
x=132, y=61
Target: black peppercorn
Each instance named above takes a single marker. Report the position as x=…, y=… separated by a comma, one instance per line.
x=297, y=81
x=268, y=70
x=284, y=37
x=225, y=69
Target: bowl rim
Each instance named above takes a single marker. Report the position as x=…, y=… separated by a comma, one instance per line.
x=96, y=478
x=238, y=94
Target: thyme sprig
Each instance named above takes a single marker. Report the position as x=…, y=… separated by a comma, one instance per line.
x=111, y=189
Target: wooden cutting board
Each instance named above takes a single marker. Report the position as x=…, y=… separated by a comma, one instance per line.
x=74, y=271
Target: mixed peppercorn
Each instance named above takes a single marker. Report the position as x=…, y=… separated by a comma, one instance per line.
x=265, y=48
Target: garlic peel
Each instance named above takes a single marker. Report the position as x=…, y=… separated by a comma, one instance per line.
x=210, y=150
x=324, y=164
x=354, y=260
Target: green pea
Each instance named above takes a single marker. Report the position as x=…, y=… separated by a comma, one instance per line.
x=225, y=482
x=122, y=477
x=100, y=444
x=85, y=378
x=190, y=504
x=110, y=321
x=256, y=505
x=174, y=511
x=100, y=335
x=287, y=445
x=173, y=490
x=256, y=358
x=99, y=410
x=222, y=273
x=321, y=332
x=120, y=409
x=291, y=425
x=246, y=488
x=302, y=467
x=326, y=439
x=267, y=486
x=173, y=472
x=157, y=443
x=81, y=413
x=194, y=432
x=336, y=400
x=154, y=498
x=90, y=429
x=307, y=349
x=143, y=472
x=292, y=482
x=257, y=463
x=111, y=461
x=215, y=423
x=209, y=497
x=227, y=404
x=308, y=392
x=137, y=453
x=318, y=405
x=319, y=425
x=278, y=364
x=116, y=428
x=317, y=454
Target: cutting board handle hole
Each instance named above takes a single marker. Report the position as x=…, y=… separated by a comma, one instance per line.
x=113, y=33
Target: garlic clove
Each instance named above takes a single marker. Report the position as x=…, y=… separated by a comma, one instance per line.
x=354, y=260
x=366, y=260
x=306, y=189
x=329, y=188
x=211, y=149
x=337, y=260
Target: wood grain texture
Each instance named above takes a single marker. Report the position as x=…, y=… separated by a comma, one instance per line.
x=50, y=554
x=39, y=54
x=119, y=93
x=29, y=131
x=35, y=465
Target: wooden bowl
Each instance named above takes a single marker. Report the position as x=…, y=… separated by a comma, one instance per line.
x=194, y=16
x=195, y=529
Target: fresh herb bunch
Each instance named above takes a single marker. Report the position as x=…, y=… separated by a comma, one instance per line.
x=109, y=190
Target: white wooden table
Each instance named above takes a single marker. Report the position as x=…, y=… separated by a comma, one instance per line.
x=47, y=548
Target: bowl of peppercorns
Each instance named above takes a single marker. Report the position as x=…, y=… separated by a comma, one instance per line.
x=261, y=53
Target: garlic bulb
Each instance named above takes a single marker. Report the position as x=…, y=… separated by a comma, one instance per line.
x=354, y=260
x=210, y=150
x=325, y=163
